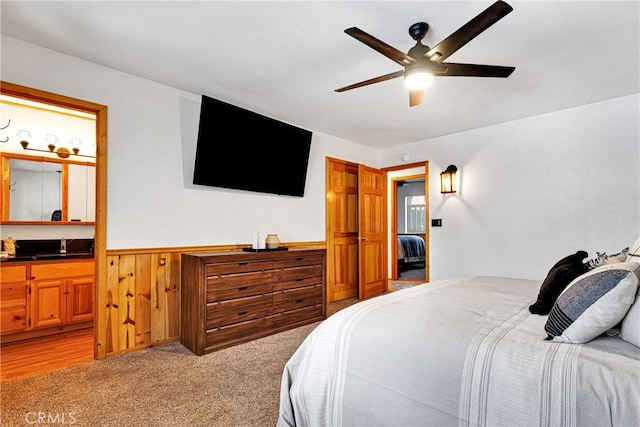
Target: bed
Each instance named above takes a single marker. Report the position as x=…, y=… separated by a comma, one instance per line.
x=463, y=351
x=411, y=249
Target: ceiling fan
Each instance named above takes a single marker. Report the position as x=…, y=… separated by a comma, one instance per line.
x=422, y=63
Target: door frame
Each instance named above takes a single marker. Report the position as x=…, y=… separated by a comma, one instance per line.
x=393, y=215
x=100, y=227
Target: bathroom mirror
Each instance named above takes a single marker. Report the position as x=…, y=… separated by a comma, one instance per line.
x=39, y=191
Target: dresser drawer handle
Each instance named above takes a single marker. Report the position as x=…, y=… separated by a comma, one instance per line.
x=242, y=313
x=298, y=301
x=243, y=288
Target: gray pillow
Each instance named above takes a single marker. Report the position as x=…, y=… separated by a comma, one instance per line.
x=593, y=303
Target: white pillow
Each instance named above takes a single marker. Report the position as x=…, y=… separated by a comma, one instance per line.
x=634, y=252
x=630, y=330
x=593, y=303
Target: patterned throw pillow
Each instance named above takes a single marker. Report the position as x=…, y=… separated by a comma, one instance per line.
x=597, y=261
x=619, y=257
x=593, y=303
x=603, y=258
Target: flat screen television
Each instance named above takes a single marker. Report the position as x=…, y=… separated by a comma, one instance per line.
x=243, y=150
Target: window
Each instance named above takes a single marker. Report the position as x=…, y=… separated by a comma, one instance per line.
x=415, y=214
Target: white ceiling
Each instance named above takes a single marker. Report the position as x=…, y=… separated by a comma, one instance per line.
x=284, y=59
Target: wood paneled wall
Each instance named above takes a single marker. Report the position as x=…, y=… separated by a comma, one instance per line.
x=138, y=305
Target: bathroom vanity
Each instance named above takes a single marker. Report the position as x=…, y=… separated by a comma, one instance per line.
x=45, y=293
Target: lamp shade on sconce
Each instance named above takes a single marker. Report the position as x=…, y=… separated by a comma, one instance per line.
x=448, y=180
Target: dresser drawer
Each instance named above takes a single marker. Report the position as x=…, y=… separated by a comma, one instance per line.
x=13, y=273
x=301, y=316
x=238, y=310
x=225, y=269
x=299, y=261
x=295, y=273
x=239, y=291
x=297, y=298
x=13, y=295
x=238, y=332
x=298, y=283
x=237, y=281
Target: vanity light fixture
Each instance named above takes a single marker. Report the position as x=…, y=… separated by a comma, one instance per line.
x=52, y=141
x=448, y=180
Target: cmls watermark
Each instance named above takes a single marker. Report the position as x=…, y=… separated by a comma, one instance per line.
x=42, y=417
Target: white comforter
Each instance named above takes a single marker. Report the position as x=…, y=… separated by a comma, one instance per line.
x=464, y=351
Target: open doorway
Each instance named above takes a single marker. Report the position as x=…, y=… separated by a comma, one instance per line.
x=411, y=226
x=71, y=345
x=409, y=223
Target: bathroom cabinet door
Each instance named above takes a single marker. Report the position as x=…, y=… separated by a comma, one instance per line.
x=80, y=299
x=59, y=302
x=48, y=299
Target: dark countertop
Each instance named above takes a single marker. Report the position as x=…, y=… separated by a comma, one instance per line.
x=49, y=249
x=48, y=257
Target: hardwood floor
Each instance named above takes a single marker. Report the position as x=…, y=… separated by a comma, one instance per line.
x=39, y=355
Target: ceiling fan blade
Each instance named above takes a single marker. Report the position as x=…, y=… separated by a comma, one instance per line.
x=415, y=97
x=472, y=70
x=388, y=51
x=468, y=31
x=372, y=81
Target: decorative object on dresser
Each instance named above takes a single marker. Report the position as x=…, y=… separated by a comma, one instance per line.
x=230, y=297
x=272, y=241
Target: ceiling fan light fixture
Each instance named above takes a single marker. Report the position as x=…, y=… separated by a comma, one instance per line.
x=417, y=79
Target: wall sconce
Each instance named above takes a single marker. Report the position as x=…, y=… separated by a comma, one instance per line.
x=448, y=180
x=52, y=140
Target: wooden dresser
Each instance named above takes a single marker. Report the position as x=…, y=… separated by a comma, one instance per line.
x=230, y=297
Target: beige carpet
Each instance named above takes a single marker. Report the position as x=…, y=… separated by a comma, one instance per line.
x=161, y=386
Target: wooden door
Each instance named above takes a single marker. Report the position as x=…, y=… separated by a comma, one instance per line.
x=372, y=236
x=342, y=229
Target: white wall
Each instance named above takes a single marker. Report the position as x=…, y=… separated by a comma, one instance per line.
x=534, y=190
x=152, y=131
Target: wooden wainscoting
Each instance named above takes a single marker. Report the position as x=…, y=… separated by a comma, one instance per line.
x=138, y=305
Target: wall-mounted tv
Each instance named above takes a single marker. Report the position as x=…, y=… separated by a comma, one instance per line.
x=243, y=150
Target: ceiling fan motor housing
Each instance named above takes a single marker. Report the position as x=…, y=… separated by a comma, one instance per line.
x=418, y=30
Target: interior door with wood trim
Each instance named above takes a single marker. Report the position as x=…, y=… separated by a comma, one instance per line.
x=372, y=231
x=341, y=229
